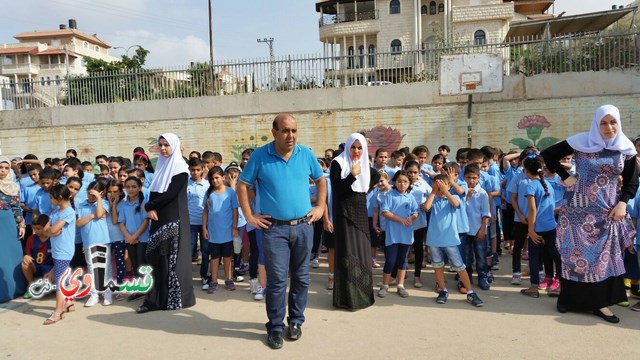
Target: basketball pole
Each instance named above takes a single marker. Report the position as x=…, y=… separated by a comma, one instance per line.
x=469, y=124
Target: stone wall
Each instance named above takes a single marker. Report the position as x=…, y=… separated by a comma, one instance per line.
x=416, y=114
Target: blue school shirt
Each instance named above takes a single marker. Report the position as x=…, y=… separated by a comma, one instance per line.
x=494, y=171
x=115, y=234
x=28, y=197
x=24, y=181
x=329, y=199
x=195, y=200
x=133, y=219
x=313, y=193
x=461, y=212
x=148, y=178
x=402, y=205
x=477, y=208
x=62, y=245
x=95, y=232
x=633, y=208
x=220, y=220
x=545, y=220
x=420, y=190
x=510, y=175
x=376, y=202
x=42, y=202
x=488, y=182
x=443, y=230
x=558, y=189
x=425, y=167
x=371, y=200
x=392, y=172
x=518, y=186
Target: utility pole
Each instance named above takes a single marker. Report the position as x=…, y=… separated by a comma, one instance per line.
x=272, y=59
x=211, y=49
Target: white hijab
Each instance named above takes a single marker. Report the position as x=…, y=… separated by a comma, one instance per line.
x=168, y=167
x=361, y=184
x=593, y=141
x=7, y=185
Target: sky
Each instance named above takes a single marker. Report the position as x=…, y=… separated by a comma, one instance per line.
x=176, y=32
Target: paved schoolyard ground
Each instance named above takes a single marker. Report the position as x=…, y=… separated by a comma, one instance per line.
x=231, y=325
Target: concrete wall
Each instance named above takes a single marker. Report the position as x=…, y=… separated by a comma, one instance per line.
x=415, y=113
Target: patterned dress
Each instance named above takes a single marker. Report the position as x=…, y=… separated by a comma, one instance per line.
x=590, y=244
x=12, y=282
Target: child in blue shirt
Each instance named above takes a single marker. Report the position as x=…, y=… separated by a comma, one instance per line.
x=378, y=221
x=42, y=203
x=478, y=215
x=115, y=195
x=442, y=238
x=419, y=189
x=28, y=197
x=220, y=226
x=196, y=189
x=61, y=231
x=92, y=215
x=541, y=225
x=401, y=209
x=134, y=224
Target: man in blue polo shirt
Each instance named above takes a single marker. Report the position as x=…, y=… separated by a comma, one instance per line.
x=280, y=172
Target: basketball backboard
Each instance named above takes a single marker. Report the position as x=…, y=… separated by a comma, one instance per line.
x=470, y=74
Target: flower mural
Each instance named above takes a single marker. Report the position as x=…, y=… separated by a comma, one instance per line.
x=533, y=125
x=383, y=137
x=86, y=152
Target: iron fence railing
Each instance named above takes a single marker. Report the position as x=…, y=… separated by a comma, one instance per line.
x=330, y=19
x=528, y=56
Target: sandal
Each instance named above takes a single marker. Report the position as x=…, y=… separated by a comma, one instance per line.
x=53, y=318
x=533, y=294
x=70, y=308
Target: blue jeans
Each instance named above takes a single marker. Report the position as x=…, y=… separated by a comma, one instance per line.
x=471, y=247
x=196, y=232
x=286, y=252
x=452, y=252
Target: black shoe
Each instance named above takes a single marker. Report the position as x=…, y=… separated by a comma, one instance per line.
x=608, y=318
x=562, y=309
x=294, y=332
x=274, y=340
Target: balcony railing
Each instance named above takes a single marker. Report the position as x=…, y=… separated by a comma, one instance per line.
x=526, y=56
x=348, y=17
x=18, y=69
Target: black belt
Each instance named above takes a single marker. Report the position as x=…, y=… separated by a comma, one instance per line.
x=292, y=222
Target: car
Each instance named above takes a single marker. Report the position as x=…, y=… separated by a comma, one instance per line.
x=378, y=83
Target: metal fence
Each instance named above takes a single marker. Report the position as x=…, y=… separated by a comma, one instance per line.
x=527, y=56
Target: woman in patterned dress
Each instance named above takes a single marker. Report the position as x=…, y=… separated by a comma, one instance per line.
x=593, y=227
x=169, y=248
x=12, y=282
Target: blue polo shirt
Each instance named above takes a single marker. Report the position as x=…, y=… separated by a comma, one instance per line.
x=477, y=208
x=518, y=186
x=220, y=215
x=402, y=205
x=28, y=197
x=42, y=203
x=376, y=202
x=95, y=231
x=420, y=190
x=62, y=245
x=133, y=219
x=195, y=200
x=545, y=220
x=443, y=230
x=461, y=212
x=282, y=186
x=558, y=189
x=148, y=178
x=510, y=175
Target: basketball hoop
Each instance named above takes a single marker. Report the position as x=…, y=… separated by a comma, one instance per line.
x=470, y=85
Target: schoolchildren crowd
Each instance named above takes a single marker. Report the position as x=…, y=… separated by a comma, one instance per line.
x=460, y=211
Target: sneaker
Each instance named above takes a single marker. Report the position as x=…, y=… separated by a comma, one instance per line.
x=442, y=297
x=205, y=283
x=490, y=277
x=213, y=287
x=274, y=340
x=392, y=283
x=229, y=285
x=315, y=263
x=108, y=298
x=330, y=283
x=474, y=300
x=384, y=290
x=545, y=283
x=243, y=269
x=634, y=294
x=237, y=277
x=495, y=262
x=636, y=307
x=402, y=292
x=93, y=299
x=554, y=287
x=483, y=283
x=259, y=293
x=516, y=279
x=253, y=285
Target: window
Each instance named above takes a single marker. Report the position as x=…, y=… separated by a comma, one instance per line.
x=42, y=81
x=350, y=58
x=372, y=56
x=424, y=10
x=479, y=38
x=57, y=79
x=441, y=8
x=96, y=48
x=7, y=60
x=394, y=7
x=85, y=45
x=55, y=42
x=396, y=46
x=361, y=56
x=48, y=80
x=432, y=8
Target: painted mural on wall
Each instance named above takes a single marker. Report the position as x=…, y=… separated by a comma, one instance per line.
x=534, y=126
x=384, y=137
x=252, y=143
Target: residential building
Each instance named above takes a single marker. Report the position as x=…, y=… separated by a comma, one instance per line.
x=40, y=60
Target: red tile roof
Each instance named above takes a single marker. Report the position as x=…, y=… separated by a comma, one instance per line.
x=56, y=52
x=19, y=50
x=39, y=34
